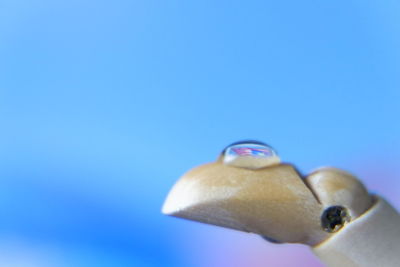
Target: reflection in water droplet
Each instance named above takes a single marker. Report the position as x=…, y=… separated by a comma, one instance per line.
x=250, y=155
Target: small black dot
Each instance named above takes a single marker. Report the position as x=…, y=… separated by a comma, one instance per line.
x=334, y=218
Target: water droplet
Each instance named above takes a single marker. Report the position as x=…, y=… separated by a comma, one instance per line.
x=250, y=155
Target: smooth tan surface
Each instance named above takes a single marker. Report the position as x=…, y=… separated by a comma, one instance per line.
x=333, y=186
x=273, y=202
x=371, y=240
x=277, y=203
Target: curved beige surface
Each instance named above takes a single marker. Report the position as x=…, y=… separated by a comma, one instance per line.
x=333, y=186
x=273, y=201
x=372, y=240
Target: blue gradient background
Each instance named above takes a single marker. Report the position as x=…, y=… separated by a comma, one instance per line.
x=104, y=104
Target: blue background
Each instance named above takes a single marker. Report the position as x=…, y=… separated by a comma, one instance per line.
x=104, y=104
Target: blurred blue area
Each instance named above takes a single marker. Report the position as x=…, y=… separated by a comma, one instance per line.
x=104, y=104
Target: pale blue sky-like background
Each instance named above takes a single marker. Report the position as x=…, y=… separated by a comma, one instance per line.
x=104, y=104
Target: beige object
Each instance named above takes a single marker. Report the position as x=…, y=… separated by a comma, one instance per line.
x=333, y=186
x=371, y=240
x=272, y=200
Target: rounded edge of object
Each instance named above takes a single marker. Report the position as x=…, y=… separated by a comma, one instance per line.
x=272, y=201
x=336, y=187
x=373, y=239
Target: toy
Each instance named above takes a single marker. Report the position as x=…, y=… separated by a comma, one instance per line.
x=249, y=189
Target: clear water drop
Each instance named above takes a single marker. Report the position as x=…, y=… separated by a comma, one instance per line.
x=250, y=155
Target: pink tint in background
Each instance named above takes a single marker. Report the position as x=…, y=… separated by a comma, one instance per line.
x=104, y=104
